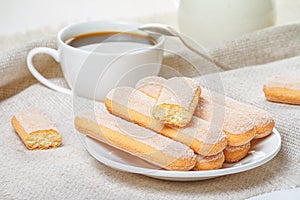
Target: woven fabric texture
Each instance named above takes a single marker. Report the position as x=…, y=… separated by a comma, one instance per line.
x=69, y=172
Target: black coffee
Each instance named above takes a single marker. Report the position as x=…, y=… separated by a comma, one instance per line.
x=111, y=42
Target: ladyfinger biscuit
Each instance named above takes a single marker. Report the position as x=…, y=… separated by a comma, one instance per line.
x=283, y=89
x=136, y=140
x=209, y=162
x=177, y=101
x=36, y=130
x=235, y=154
x=135, y=106
x=201, y=136
x=239, y=129
x=262, y=120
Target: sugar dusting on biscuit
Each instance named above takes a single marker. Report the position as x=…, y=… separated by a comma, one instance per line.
x=33, y=120
x=209, y=158
x=132, y=99
x=151, y=86
x=179, y=91
x=259, y=116
x=238, y=148
x=203, y=131
x=286, y=82
x=141, y=134
x=232, y=121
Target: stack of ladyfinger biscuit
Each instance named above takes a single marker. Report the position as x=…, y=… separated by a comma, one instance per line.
x=176, y=125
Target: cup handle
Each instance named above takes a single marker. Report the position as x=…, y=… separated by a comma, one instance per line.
x=37, y=75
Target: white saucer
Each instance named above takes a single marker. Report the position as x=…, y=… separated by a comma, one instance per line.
x=262, y=151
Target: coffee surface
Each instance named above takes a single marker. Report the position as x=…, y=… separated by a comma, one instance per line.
x=110, y=42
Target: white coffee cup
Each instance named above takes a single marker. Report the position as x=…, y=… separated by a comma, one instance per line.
x=92, y=73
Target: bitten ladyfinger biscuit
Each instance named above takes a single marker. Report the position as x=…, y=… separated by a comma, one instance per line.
x=177, y=101
x=135, y=106
x=36, y=130
x=136, y=140
x=283, y=89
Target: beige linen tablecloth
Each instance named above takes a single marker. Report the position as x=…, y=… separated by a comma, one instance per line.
x=69, y=172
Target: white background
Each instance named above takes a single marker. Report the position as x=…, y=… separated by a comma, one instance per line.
x=25, y=15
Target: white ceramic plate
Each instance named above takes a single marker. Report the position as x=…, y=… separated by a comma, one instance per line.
x=262, y=151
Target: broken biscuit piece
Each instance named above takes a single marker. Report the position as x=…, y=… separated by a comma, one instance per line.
x=36, y=130
x=177, y=101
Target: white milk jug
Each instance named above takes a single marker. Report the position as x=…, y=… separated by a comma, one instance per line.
x=209, y=22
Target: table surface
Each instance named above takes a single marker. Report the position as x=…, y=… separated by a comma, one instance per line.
x=22, y=16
